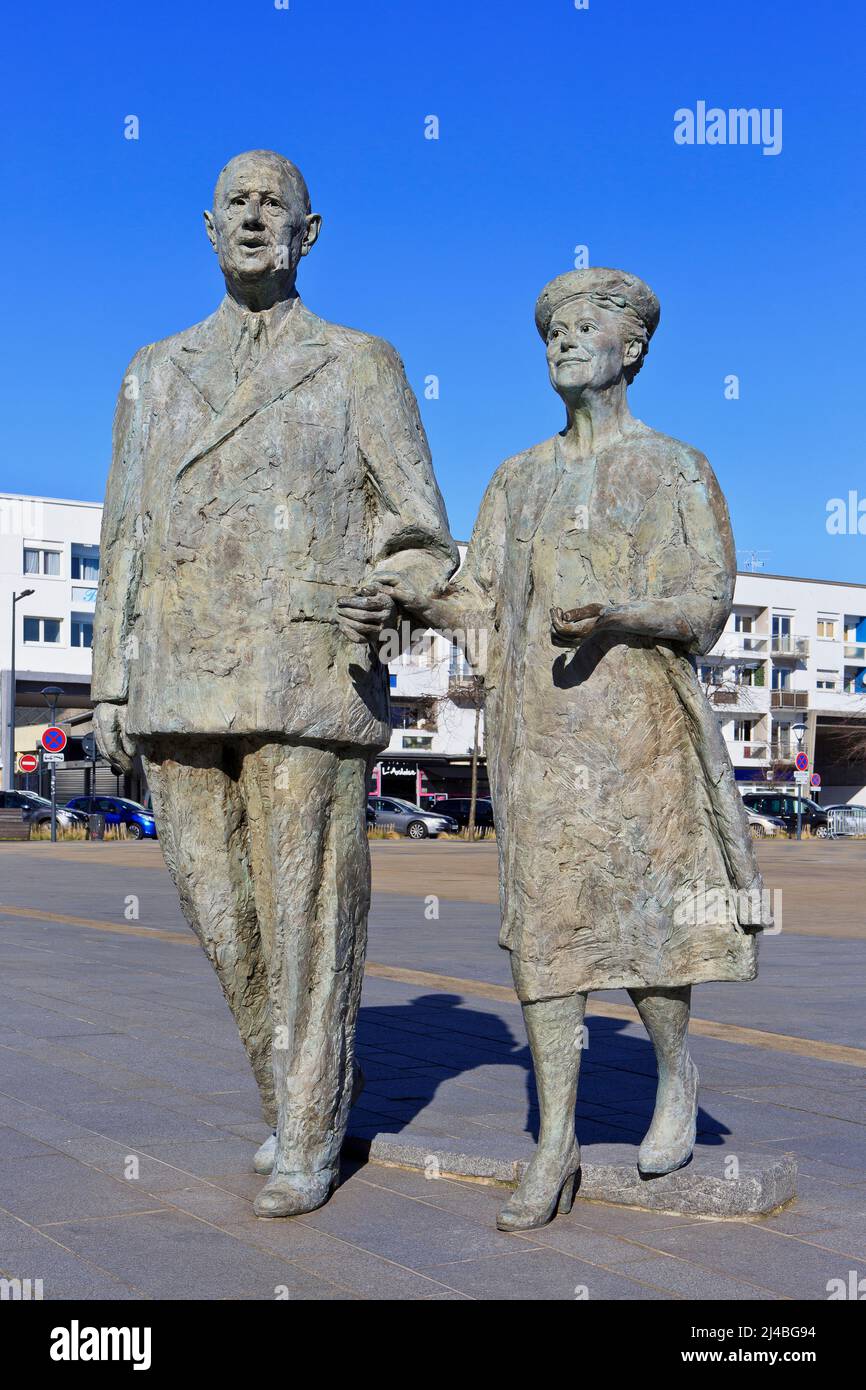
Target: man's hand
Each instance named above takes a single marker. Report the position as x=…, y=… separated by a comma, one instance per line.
x=112, y=740
x=363, y=615
x=567, y=629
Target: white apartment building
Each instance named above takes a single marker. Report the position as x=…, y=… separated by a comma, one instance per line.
x=793, y=653
x=50, y=547
x=434, y=700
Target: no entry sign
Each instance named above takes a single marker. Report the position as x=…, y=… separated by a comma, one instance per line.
x=54, y=739
x=28, y=762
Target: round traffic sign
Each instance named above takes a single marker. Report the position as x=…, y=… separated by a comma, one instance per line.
x=801, y=762
x=54, y=739
x=28, y=762
x=816, y=779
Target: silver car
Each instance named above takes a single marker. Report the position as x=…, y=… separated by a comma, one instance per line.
x=409, y=819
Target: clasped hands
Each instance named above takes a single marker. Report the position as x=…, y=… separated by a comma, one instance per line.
x=365, y=614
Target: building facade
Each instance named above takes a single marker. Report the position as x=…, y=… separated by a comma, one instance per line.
x=793, y=655
x=792, y=660
x=49, y=547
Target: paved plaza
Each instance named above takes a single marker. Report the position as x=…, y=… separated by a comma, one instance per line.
x=128, y=1117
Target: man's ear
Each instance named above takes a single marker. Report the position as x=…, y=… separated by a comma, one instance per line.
x=210, y=229
x=313, y=225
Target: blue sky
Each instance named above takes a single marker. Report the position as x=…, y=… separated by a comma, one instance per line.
x=556, y=130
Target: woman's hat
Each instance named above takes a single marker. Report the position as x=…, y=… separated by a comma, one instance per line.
x=614, y=289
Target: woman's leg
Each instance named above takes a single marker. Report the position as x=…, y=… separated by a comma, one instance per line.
x=671, y=1136
x=555, y=1030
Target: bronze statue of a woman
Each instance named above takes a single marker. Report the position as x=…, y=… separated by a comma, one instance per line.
x=601, y=564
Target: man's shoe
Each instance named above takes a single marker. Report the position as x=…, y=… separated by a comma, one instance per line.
x=292, y=1194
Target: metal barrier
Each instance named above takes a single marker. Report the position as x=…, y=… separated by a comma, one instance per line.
x=847, y=820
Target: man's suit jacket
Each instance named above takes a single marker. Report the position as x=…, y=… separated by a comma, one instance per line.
x=235, y=516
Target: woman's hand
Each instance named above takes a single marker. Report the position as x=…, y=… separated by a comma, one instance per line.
x=363, y=615
x=569, y=628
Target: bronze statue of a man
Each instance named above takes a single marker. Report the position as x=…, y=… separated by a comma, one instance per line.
x=264, y=463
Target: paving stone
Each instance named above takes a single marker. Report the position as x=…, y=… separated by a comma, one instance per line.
x=783, y=1264
x=14, y=1143
x=538, y=1274
x=53, y=1188
x=691, y=1281
x=169, y=1255
x=26, y=1253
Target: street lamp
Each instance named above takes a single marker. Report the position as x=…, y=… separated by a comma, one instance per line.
x=49, y=695
x=9, y=771
x=799, y=732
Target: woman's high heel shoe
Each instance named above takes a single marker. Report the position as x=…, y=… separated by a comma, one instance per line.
x=670, y=1141
x=536, y=1200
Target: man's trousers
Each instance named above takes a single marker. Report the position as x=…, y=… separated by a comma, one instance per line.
x=267, y=845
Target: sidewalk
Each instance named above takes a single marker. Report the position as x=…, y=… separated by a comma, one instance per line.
x=128, y=1118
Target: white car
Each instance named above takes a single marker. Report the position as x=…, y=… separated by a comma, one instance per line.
x=761, y=826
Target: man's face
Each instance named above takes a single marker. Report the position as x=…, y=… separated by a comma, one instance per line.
x=586, y=347
x=258, y=226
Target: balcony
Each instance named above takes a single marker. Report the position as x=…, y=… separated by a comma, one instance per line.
x=855, y=653
x=782, y=752
x=747, y=752
x=744, y=697
x=466, y=690
x=797, y=648
x=744, y=644
x=789, y=699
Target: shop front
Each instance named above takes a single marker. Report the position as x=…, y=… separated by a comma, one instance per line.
x=428, y=775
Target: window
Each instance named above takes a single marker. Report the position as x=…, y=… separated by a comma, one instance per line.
x=742, y=730
x=458, y=666
x=827, y=627
x=41, y=629
x=81, y=630
x=44, y=562
x=84, y=562
x=742, y=622
x=747, y=675
x=412, y=714
x=781, y=625
x=781, y=678
x=827, y=680
x=414, y=741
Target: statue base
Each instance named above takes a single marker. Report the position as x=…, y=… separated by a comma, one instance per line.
x=715, y=1183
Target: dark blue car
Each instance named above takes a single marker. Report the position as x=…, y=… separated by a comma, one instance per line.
x=140, y=824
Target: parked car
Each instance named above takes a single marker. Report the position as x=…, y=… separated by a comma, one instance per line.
x=761, y=826
x=409, y=819
x=458, y=808
x=37, y=809
x=784, y=806
x=140, y=824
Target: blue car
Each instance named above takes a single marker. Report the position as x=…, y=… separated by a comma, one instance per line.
x=140, y=824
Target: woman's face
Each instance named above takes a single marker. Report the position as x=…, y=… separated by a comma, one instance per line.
x=587, y=347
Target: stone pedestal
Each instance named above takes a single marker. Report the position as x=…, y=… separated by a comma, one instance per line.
x=719, y=1182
